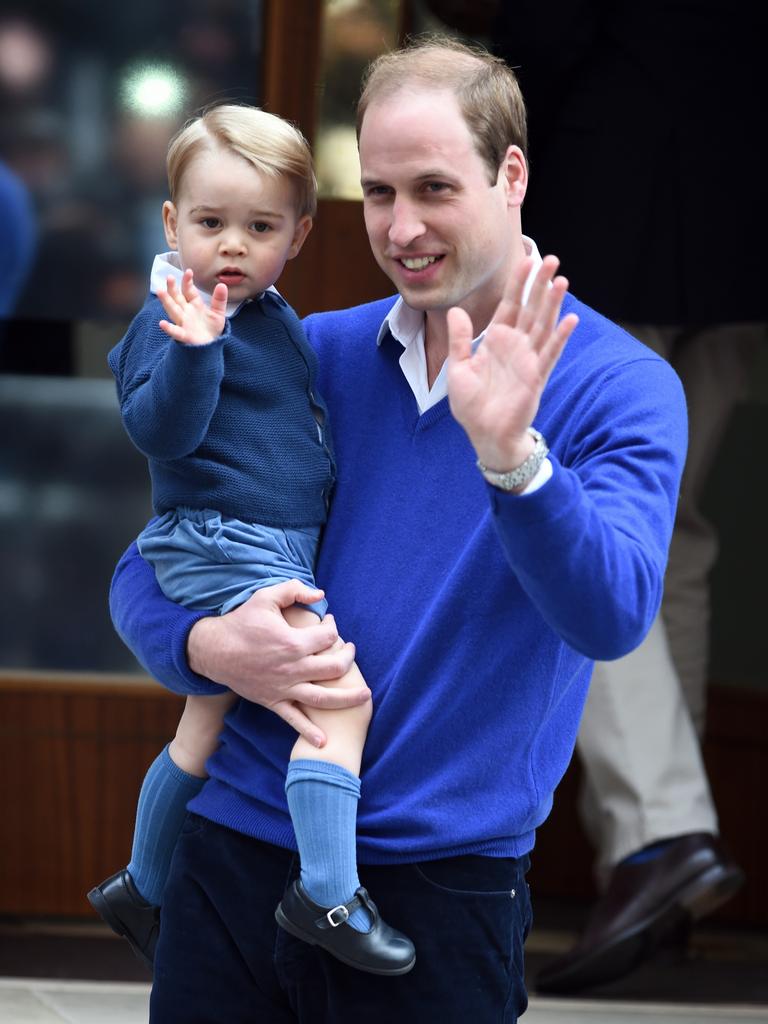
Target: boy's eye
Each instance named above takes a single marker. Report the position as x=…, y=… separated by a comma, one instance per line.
x=210, y=222
x=261, y=227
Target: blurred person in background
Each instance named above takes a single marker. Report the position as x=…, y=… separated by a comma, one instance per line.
x=17, y=239
x=641, y=127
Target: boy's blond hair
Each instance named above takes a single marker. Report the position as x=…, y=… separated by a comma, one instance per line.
x=486, y=90
x=272, y=145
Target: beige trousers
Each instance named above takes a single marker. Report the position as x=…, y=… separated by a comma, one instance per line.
x=644, y=779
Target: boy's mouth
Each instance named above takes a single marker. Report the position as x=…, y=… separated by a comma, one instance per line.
x=230, y=276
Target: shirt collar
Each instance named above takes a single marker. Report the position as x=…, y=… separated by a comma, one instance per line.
x=166, y=264
x=405, y=323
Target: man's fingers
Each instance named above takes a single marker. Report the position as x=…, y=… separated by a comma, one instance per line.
x=535, y=306
x=325, y=664
x=508, y=310
x=292, y=592
x=293, y=715
x=330, y=698
x=459, y=334
x=548, y=314
x=550, y=352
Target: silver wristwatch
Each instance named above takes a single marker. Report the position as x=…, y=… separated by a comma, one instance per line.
x=524, y=473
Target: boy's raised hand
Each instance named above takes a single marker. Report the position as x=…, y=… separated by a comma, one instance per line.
x=190, y=321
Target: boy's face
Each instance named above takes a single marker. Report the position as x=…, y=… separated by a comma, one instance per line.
x=233, y=225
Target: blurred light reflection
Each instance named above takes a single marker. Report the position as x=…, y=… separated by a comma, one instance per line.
x=153, y=90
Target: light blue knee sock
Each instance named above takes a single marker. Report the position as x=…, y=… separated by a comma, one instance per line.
x=322, y=799
x=160, y=814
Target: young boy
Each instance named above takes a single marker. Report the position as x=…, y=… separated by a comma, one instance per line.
x=220, y=396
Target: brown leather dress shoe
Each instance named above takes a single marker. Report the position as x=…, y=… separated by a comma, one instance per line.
x=643, y=904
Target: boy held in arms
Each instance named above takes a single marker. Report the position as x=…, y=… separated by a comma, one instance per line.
x=220, y=396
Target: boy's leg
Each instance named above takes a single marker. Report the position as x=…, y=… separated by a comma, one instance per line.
x=323, y=790
x=129, y=899
x=176, y=775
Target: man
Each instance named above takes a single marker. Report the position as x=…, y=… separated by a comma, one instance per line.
x=479, y=577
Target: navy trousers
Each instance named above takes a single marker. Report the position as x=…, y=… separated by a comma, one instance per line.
x=222, y=959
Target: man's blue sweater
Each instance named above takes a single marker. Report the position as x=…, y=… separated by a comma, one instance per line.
x=235, y=425
x=476, y=614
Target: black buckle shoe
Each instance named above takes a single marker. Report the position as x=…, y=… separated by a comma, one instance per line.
x=119, y=903
x=381, y=950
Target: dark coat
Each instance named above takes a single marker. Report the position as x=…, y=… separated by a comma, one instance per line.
x=646, y=122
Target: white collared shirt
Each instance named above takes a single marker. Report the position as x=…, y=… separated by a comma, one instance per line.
x=166, y=264
x=406, y=326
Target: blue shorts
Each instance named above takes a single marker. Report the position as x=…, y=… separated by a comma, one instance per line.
x=204, y=560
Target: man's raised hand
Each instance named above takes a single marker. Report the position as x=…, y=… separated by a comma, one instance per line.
x=495, y=392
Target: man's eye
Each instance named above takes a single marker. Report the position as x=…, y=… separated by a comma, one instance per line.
x=261, y=227
x=436, y=186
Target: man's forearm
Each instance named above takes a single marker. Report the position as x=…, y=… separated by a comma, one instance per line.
x=154, y=628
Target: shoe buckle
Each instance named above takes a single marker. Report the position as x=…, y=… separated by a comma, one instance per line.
x=343, y=915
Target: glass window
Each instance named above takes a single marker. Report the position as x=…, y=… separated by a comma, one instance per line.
x=90, y=95
x=354, y=32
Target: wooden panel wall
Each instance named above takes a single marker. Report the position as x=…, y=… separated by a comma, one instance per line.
x=73, y=753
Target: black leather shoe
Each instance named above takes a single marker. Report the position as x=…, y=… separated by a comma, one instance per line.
x=643, y=905
x=119, y=903
x=382, y=950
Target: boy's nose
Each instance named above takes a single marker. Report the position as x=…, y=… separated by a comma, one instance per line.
x=233, y=242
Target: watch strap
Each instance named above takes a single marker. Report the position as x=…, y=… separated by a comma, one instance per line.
x=513, y=479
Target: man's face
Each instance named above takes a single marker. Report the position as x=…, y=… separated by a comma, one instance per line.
x=232, y=224
x=438, y=228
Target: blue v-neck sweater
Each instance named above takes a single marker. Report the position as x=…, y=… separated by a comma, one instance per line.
x=476, y=614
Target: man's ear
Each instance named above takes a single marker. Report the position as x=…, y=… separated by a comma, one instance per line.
x=169, y=224
x=514, y=174
x=303, y=227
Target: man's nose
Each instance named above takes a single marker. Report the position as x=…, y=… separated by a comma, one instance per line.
x=406, y=224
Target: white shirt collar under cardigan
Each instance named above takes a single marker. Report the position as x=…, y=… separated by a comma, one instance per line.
x=406, y=326
x=166, y=264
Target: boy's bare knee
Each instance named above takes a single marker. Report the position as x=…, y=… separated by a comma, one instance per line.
x=199, y=732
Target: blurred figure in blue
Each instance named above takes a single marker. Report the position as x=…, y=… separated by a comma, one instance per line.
x=17, y=239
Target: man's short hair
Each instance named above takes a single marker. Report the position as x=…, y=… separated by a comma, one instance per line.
x=486, y=89
x=271, y=144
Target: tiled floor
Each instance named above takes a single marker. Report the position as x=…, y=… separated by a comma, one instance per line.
x=33, y=1001
x=78, y=972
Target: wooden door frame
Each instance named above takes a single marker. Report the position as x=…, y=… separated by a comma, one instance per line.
x=335, y=268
